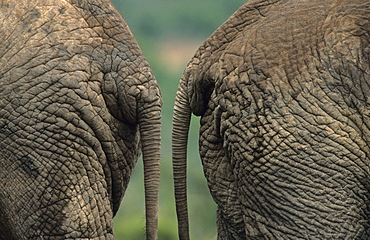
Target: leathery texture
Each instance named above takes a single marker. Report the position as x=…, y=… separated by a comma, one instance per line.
x=70, y=75
x=284, y=136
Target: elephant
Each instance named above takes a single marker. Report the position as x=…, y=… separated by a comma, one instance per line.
x=282, y=89
x=78, y=105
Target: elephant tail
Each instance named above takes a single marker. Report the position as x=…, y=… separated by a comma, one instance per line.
x=150, y=135
x=181, y=122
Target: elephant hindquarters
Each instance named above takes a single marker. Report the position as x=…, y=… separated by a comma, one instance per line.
x=35, y=204
x=299, y=176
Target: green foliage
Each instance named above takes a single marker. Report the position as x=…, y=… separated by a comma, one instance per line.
x=184, y=25
x=167, y=18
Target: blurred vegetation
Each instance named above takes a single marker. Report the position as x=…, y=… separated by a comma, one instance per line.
x=169, y=33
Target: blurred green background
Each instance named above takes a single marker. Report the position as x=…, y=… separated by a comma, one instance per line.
x=169, y=32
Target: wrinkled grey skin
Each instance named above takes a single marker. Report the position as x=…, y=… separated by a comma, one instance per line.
x=78, y=104
x=282, y=88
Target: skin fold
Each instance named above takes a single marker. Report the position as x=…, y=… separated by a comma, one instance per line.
x=78, y=105
x=283, y=91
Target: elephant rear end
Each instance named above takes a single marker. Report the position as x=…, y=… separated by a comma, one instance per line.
x=283, y=93
x=78, y=105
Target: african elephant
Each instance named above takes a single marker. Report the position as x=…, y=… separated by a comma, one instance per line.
x=78, y=105
x=283, y=91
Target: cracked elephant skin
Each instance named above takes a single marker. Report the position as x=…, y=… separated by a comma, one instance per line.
x=283, y=91
x=78, y=105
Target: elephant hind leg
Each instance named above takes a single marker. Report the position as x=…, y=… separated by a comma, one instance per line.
x=221, y=179
x=226, y=230
x=7, y=230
